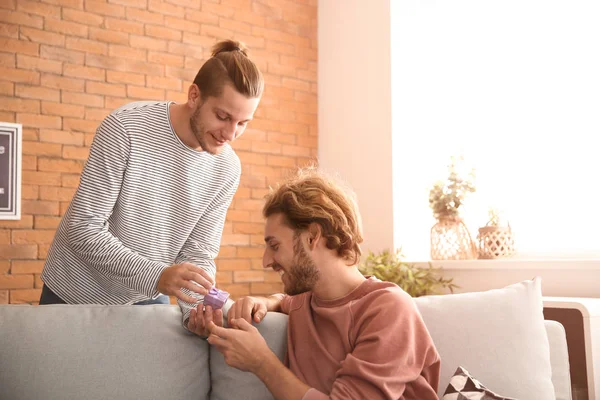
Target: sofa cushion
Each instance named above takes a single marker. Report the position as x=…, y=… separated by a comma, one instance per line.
x=498, y=335
x=57, y=352
x=463, y=386
x=230, y=383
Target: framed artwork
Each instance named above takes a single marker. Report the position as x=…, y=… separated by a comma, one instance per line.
x=10, y=170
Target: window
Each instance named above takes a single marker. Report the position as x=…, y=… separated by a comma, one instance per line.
x=514, y=87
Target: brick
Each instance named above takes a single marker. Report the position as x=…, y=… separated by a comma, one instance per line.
x=16, y=281
x=223, y=277
x=4, y=296
x=216, y=32
x=248, y=17
x=42, y=37
x=109, y=89
x=165, y=58
x=60, y=82
x=66, y=27
x=296, y=151
x=25, y=296
x=277, y=161
x=161, y=32
x=83, y=17
x=7, y=88
x=283, y=138
x=9, y=60
x=103, y=8
x=218, y=9
x=75, y=153
x=189, y=50
x=279, y=47
x=186, y=3
x=137, y=92
x=251, y=158
x=115, y=102
x=265, y=124
x=38, y=121
x=79, y=125
x=96, y=114
x=28, y=163
x=265, y=288
x=253, y=42
x=144, y=16
x=56, y=193
x=227, y=252
x=53, y=164
x=164, y=83
x=198, y=40
x=38, y=64
x=17, y=75
x=120, y=25
x=194, y=63
x=40, y=207
x=4, y=267
x=21, y=252
x=119, y=51
x=60, y=54
x=283, y=70
x=86, y=46
x=253, y=181
x=21, y=18
x=37, y=8
x=267, y=147
x=45, y=222
x=66, y=3
x=306, y=75
x=19, y=105
x=147, y=43
x=131, y=3
x=235, y=26
x=70, y=180
x=43, y=251
x=25, y=222
x=42, y=149
x=176, y=97
x=30, y=192
x=250, y=252
x=138, y=67
x=19, y=46
x=104, y=35
x=166, y=8
x=202, y=17
x=125, y=77
x=184, y=25
x=90, y=100
x=186, y=75
x=61, y=137
x=32, y=237
x=235, y=240
x=248, y=276
x=80, y=71
x=232, y=265
x=236, y=290
x=308, y=141
x=11, y=31
x=63, y=110
x=37, y=92
x=4, y=236
x=250, y=228
x=41, y=178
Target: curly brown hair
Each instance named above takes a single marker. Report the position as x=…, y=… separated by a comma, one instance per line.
x=310, y=196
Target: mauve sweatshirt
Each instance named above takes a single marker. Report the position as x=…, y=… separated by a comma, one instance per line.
x=370, y=344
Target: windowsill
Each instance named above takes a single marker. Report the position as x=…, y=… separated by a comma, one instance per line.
x=513, y=264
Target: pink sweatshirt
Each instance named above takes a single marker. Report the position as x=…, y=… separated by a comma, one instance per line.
x=371, y=344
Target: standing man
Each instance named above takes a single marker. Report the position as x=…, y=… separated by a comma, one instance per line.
x=147, y=218
x=349, y=337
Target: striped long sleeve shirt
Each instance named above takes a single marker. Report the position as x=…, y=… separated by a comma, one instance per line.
x=145, y=201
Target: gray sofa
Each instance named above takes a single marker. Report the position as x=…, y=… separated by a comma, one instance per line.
x=142, y=352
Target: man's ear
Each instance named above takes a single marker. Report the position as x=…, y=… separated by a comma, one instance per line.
x=314, y=235
x=194, y=97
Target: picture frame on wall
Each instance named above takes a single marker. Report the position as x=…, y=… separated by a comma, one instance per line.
x=10, y=170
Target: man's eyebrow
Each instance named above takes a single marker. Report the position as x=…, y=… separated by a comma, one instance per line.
x=268, y=239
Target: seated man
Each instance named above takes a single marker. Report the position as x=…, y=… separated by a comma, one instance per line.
x=349, y=337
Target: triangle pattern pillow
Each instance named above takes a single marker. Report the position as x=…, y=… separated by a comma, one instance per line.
x=463, y=386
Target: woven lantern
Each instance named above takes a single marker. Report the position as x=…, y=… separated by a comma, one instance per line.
x=494, y=240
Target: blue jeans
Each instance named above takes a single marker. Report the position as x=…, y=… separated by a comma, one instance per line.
x=49, y=297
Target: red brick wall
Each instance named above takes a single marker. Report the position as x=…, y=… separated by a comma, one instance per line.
x=65, y=64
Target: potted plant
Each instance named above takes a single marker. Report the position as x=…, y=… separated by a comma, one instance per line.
x=495, y=238
x=450, y=238
x=390, y=267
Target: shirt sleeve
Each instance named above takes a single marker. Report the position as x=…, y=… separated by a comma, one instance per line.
x=393, y=357
x=93, y=204
x=202, y=247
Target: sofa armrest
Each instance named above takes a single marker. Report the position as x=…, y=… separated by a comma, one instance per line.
x=559, y=359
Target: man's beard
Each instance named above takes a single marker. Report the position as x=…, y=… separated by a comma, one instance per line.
x=199, y=131
x=303, y=274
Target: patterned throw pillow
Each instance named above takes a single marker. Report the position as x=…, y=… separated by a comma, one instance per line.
x=463, y=386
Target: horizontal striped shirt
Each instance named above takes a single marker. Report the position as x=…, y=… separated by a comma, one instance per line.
x=145, y=201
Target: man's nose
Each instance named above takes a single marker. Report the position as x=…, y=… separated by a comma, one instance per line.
x=229, y=132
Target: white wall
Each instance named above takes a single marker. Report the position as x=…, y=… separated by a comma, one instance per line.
x=355, y=131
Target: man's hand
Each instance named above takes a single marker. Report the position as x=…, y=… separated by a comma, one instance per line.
x=248, y=307
x=184, y=275
x=244, y=347
x=199, y=319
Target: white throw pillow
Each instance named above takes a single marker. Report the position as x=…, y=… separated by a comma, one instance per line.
x=497, y=335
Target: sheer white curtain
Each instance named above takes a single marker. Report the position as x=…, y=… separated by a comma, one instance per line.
x=513, y=86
